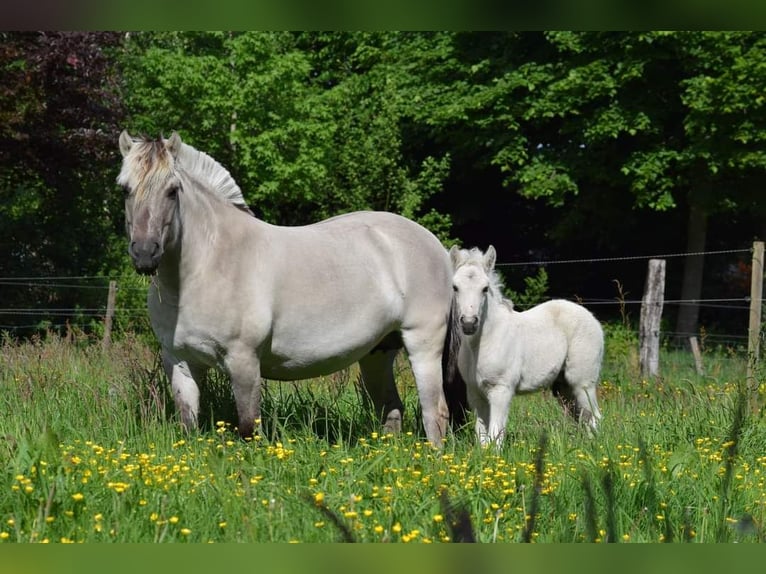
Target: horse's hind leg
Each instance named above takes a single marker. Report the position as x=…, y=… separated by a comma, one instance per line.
x=582, y=370
x=578, y=400
x=587, y=405
x=424, y=348
x=378, y=380
x=563, y=393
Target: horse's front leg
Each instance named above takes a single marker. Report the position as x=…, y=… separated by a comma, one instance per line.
x=244, y=370
x=499, y=398
x=184, y=380
x=480, y=407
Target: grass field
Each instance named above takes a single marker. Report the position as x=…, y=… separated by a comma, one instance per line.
x=93, y=452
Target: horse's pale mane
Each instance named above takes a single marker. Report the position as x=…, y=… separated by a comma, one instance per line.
x=151, y=162
x=475, y=256
x=204, y=167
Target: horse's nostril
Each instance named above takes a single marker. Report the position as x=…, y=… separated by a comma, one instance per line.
x=469, y=324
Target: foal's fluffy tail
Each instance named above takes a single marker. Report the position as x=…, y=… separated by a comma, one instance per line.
x=453, y=383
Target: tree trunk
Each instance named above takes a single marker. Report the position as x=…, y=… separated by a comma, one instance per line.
x=691, y=287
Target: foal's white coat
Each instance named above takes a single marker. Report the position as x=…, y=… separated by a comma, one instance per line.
x=260, y=300
x=504, y=352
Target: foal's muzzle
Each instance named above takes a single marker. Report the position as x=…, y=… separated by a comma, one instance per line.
x=146, y=256
x=469, y=325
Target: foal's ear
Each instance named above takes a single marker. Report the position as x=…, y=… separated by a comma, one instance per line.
x=174, y=144
x=454, y=255
x=126, y=142
x=489, y=258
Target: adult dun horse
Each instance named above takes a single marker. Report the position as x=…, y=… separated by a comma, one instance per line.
x=263, y=301
x=557, y=344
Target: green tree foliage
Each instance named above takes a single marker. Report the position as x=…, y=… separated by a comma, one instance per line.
x=662, y=120
x=308, y=124
x=539, y=142
x=59, y=109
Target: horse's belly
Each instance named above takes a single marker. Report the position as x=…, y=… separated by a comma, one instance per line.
x=288, y=372
x=304, y=355
x=305, y=366
x=538, y=374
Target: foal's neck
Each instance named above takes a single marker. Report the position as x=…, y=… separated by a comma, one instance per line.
x=498, y=311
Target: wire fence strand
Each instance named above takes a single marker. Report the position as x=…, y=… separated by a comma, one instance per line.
x=86, y=282
x=623, y=258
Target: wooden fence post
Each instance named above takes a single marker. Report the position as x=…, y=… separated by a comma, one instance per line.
x=756, y=302
x=651, y=314
x=110, y=300
x=694, y=344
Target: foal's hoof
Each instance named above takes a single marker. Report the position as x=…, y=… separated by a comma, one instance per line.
x=393, y=422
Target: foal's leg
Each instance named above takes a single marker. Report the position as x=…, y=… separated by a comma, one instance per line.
x=579, y=400
x=424, y=347
x=243, y=368
x=562, y=390
x=499, y=398
x=378, y=380
x=480, y=408
x=183, y=382
x=582, y=371
x=587, y=405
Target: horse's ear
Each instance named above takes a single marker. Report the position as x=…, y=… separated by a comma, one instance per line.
x=454, y=255
x=489, y=258
x=174, y=144
x=126, y=142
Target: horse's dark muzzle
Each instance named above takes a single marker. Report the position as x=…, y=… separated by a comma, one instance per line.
x=145, y=255
x=469, y=326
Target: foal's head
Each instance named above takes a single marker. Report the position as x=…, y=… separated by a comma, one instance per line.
x=471, y=285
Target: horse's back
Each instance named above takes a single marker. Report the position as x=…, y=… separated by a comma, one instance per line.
x=573, y=319
x=585, y=339
x=368, y=252
x=555, y=333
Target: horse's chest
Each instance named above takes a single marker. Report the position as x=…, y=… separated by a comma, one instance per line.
x=185, y=337
x=487, y=377
x=484, y=371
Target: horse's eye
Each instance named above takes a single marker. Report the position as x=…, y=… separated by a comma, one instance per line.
x=485, y=289
x=454, y=288
x=173, y=192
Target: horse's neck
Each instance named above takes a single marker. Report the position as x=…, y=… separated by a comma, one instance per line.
x=499, y=314
x=197, y=222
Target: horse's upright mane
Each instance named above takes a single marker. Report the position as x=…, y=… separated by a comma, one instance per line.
x=207, y=169
x=153, y=154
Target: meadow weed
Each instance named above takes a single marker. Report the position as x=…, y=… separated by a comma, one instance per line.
x=95, y=453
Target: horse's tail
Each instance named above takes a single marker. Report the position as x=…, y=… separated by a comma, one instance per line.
x=453, y=383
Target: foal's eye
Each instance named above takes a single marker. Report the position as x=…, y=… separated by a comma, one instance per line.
x=454, y=288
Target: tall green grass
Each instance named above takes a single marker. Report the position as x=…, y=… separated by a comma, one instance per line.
x=92, y=452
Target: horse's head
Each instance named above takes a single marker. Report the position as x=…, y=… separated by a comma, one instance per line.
x=471, y=284
x=152, y=184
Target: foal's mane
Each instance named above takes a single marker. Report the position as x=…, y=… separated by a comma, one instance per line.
x=475, y=256
x=153, y=155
